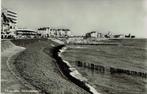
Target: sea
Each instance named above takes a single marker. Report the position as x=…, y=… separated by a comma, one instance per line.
x=130, y=54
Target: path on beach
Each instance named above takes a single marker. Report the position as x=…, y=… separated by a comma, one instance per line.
x=11, y=83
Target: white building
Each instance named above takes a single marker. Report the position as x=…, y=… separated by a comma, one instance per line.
x=54, y=32
x=95, y=34
x=8, y=22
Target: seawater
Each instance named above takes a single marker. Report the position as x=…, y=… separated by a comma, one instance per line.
x=132, y=55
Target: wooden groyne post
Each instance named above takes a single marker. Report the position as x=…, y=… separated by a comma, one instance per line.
x=111, y=70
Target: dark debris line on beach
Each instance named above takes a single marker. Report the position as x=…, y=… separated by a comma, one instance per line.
x=65, y=69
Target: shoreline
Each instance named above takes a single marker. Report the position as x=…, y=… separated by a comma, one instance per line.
x=70, y=72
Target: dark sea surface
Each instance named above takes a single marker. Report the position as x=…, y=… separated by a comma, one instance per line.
x=131, y=54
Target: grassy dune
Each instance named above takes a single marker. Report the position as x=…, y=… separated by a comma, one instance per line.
x=40, y=70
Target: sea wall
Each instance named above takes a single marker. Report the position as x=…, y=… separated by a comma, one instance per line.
x=91, y=41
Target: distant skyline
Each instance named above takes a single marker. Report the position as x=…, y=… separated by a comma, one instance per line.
x=81, y=16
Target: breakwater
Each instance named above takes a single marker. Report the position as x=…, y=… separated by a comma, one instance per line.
x=71, y=73
x=115, y=44
x=111, y=70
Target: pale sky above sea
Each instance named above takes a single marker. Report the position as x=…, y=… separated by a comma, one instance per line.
x=80, y=16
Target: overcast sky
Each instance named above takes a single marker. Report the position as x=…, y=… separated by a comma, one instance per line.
x=117, y=16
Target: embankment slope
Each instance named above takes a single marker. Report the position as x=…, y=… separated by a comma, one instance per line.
x=11, y=82
x=39, y=69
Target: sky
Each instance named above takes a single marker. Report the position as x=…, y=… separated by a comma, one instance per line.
x=81, y=16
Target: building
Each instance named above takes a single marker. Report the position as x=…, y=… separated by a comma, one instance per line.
x=94, y=34
x=8, y=22
x=119, y=36
x=25, y=34
x=54, y=32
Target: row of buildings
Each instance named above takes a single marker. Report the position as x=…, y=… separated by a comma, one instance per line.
x=9, y=28
x=95, y=34
x=45, y=32
x=54, y=32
